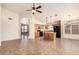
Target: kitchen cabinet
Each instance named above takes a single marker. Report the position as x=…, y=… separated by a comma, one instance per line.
x=50, y=36
x=37, y=35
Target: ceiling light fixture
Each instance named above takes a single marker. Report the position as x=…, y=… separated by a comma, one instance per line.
x=33, y=11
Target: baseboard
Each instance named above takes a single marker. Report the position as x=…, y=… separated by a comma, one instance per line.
x=70, y=38
x=10, y=39
x=30, y=38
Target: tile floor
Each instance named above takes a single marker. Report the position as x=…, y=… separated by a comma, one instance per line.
x=40, y=47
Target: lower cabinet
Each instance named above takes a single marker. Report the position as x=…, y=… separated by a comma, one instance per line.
x=46, y=36
x=37, y=35
x=49, y=36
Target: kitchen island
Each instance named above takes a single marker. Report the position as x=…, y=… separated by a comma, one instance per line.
x=51, y=36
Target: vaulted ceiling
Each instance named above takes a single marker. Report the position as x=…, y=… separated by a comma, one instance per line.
x=48, y=9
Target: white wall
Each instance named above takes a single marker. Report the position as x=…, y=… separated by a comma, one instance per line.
x=24, y=20
x=0, y=24
x=10, y=28
x=31, y=28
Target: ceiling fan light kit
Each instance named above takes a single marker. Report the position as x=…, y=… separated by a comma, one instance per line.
x=33, y=11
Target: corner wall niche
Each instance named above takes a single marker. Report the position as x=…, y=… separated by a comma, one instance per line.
x=72, y=27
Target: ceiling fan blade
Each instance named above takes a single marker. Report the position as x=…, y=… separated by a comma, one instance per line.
x=38, y=7
x=38, y=11
x=29, y=10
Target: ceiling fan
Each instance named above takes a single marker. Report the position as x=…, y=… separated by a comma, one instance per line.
x=35, y=9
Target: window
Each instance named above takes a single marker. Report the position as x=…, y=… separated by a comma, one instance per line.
x=75, y=29
x=67, y=29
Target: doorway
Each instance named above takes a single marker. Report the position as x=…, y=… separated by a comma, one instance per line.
x=57, y=29
x=24, y=28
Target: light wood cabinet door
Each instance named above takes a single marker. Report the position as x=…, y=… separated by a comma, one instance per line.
x=46, y=36
x=37, y=35
x=51, y=36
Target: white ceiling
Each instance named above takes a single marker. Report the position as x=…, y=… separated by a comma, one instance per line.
x=18, y=7
x=21, y=7
x=48, y=9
